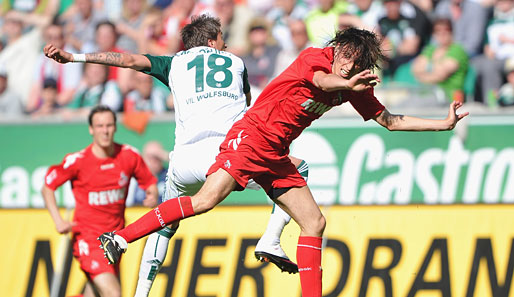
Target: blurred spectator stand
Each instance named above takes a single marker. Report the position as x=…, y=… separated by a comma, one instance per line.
x=10, y=103
x=146, y=95
x=443, y=63
x=401, y=40
x=262, y=55
x=235, y=19
x=499, y=47
x=322, y=22
x=67, y=76
x=96, y=89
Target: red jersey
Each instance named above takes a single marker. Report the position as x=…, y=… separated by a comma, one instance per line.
x=100, y=186
x=291, y=101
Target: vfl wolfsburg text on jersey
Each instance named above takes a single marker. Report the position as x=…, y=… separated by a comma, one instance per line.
x=208, y=88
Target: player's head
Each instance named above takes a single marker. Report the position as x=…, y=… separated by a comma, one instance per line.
x=204, y=30
x=355, y=50
x=102, y=125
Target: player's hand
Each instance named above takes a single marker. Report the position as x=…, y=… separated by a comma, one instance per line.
x=57, y=54
x=363, y=80
x=150, y=202
x=453, y=118
x=64, y=227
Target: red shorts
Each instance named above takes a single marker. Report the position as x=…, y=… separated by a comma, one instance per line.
x=245, y=154
x=91, y=257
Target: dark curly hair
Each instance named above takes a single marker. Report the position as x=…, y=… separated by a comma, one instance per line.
x=200, y=30
x=360, y=45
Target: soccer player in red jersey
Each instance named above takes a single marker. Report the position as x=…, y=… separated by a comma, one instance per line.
x=257, y=146
x=100, y=176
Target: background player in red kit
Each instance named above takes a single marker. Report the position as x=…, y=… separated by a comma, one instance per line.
x=257, y=146
x=100, y=176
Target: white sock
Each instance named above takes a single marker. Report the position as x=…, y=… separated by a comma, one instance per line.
x=153, y=256
x=279, y=218
x=121, y=242
x=277, y=221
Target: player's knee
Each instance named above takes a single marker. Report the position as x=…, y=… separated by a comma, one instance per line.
x=322, y=223
x=316, y=226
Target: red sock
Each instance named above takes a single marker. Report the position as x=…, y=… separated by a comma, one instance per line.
x=308, y=255
x=167, y=212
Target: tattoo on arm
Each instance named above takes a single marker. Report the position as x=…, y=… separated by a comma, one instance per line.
x=391, y=119
x=109, y=58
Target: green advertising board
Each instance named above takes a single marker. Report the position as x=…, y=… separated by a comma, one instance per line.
x=350, y=161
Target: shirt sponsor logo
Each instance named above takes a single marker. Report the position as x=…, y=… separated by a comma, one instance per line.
x=159, y=216
x=316, y=107
x=106, y=166
x=106, y=197
x=227, y=164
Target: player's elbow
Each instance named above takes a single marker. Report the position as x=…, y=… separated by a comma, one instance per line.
x=390, y=127
x=129, y=62
x=45, y=190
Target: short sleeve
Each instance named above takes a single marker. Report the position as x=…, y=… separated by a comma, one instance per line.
x=161, y=67
x=366, y=104
x=59, y=174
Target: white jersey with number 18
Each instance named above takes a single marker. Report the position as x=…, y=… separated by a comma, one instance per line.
x=208, y=88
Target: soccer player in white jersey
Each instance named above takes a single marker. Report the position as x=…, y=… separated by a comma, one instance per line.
x=211, y=91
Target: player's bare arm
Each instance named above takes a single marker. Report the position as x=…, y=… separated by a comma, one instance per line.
x=124, y=60
x=248, y=98
x=152, y=196
x=330, y=82
x=62, y=226
x=395, y=122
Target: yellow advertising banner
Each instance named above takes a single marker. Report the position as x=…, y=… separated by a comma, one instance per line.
x=369, y=251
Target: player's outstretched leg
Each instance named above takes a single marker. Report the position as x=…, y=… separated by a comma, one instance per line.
x=113, y=246
x=268, y=248
x=154, y=254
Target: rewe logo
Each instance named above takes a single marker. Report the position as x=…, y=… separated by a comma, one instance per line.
x=234, y=143
x=315, y=106
x=106, y=197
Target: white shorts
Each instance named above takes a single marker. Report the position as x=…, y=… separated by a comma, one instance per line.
x=189, y=165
